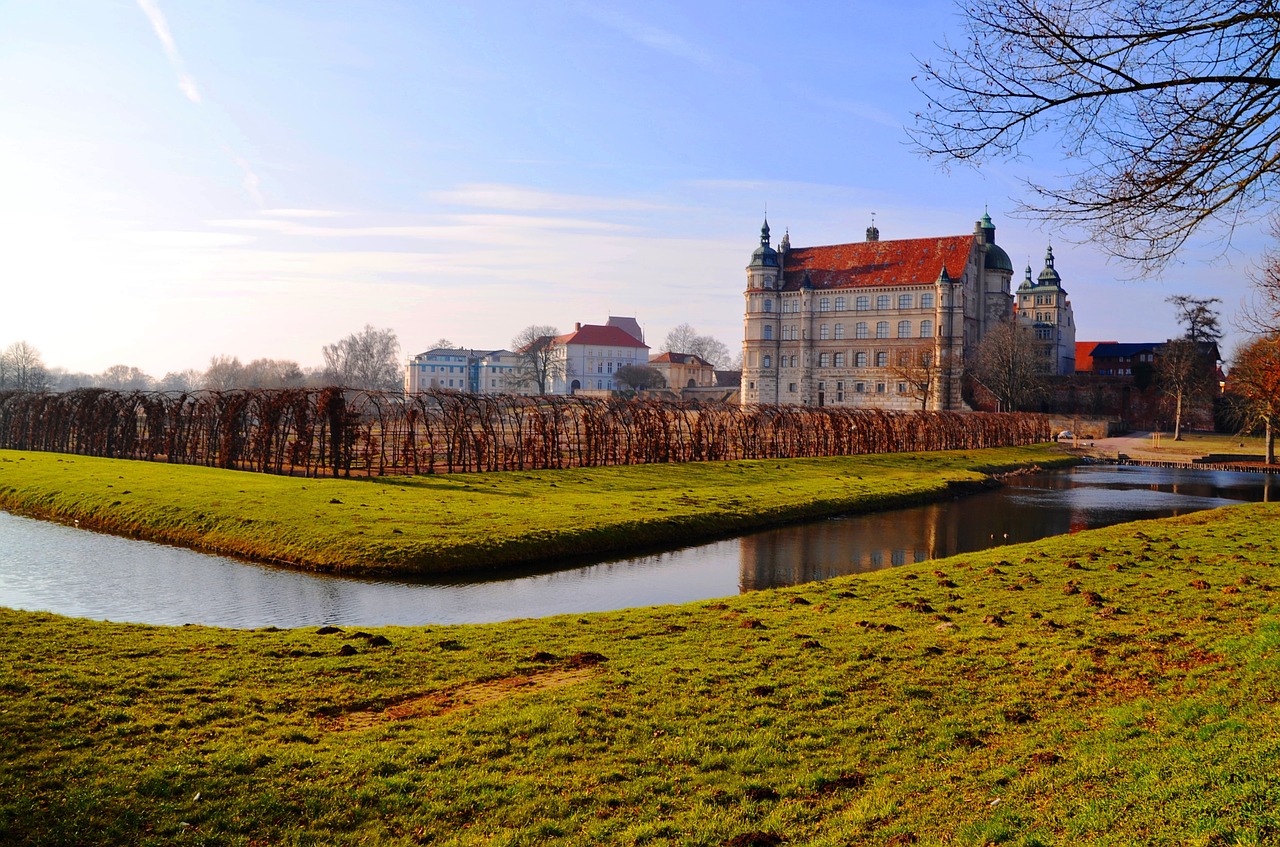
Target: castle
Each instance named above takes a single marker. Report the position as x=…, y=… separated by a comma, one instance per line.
x=875, y=324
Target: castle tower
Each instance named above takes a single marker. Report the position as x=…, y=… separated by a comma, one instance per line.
x=761, y=326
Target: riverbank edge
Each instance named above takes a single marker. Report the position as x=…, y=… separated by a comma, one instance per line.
x=1114, y=685
x=613, y=534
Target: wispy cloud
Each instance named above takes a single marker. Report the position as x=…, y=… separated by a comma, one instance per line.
x=161, y=26
x=663, y=41
x=522, y=199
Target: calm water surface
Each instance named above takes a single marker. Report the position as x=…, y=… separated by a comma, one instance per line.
x=46, y=566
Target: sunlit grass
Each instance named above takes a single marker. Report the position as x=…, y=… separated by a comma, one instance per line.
x=471, y=521
x=1117, y=686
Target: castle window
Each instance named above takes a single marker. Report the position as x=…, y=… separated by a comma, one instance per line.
x=926, y=301
x=768, y=305
x=902, y=388
x=860, y=388
x=860, y=359
x=824, y=360
x=824, y=305
x=860, y=330
x=882, y=302
x=768, y=360
x=879, y=387
x=882, y=359
x=926, y=329
x=839, y=360
x=904, y=301
x=824, y=332
x=768, y=333
x=793, y=361
x=839, y=304
x=882, y=329
x=791, y=386
x=862, y=304
x=904, y=329
x=839, y=330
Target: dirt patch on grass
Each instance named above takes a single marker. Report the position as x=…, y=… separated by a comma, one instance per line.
x=475, y=695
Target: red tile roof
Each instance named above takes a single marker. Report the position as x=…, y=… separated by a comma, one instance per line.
x=601, y=336
x=681, y=359
x=908, y=261
x=1084, y=354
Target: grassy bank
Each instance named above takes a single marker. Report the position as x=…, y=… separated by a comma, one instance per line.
x=434, y=524
x=1118, y=686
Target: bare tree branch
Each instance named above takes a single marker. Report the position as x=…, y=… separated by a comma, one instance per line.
x=1169, y=110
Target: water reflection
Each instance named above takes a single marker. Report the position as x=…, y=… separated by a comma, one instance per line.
x=46, y=566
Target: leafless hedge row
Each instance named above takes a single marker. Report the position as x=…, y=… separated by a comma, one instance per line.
x=335, y=432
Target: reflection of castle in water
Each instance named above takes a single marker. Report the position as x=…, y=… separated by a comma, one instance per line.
x=840, y=546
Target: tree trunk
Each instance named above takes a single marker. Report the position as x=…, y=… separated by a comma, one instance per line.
x=1271, y=442
x=1177, y=419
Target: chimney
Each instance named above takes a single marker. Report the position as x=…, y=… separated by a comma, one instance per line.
x=577, y=326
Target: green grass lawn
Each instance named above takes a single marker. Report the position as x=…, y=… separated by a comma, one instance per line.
x=1112, y=687
x=434, y=524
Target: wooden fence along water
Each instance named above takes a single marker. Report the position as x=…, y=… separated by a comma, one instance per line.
x=337, y=432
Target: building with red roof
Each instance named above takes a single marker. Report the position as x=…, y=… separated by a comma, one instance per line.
x=877, y=324
x=587, y=358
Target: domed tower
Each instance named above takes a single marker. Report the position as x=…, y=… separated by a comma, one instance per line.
x=997, y=275
x=761, y=329
x=1044, y=311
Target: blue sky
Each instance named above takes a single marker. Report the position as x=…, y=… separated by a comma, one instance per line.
x=182, y=179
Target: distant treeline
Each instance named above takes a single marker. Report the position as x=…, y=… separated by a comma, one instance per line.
x=337, y=432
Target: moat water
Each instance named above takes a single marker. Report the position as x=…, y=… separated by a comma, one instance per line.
x=51, y=567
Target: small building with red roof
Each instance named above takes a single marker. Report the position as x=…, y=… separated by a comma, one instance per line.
x=875, y=324
x=587, y=358
x=684, y=370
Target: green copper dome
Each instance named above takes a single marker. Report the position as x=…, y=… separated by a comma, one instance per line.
x=997, y=259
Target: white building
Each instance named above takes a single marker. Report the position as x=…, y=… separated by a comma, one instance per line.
x=470, y=371
x=587, y=358
x=874, y=324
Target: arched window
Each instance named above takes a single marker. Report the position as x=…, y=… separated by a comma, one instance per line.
x=882, y=302
x=839, y=330
x=824, y=360
x=860, y=359
x=768, y=360
x=882, y=329
x=839, y=304
x=926, y=301
x=824, y=332
x=863, y=303
x=824, y=305
x=882, y=359
x=860, y=329
x=768, y=332
x=904, y=329
x=926, y=329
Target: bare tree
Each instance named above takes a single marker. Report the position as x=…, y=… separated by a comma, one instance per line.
x=1008, y=363
x=1183, y=373
x=685, y=339
x=537, y=362
x=22, y=369
x=368, y=359
x=1168, y=113
x=1262, y=313
x=1255, y=379
x=443, y=344
x=1198, y=317
x=272, y=373
x=224, y=373
x=124, y=378
x=639, y=376
x=185, y=381
x=915, y=366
